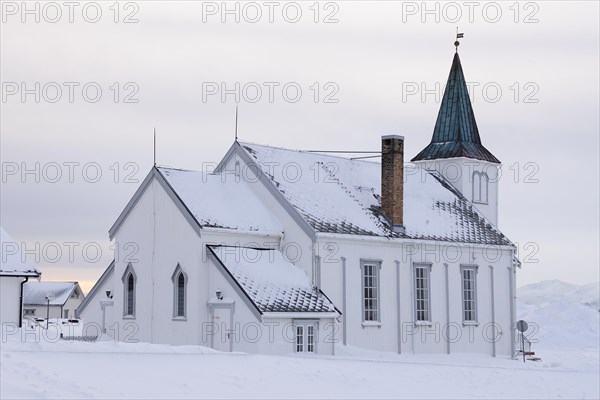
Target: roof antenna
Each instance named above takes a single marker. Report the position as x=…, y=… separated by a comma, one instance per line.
x=236, y=122
x=458, y=36
x=155, y=146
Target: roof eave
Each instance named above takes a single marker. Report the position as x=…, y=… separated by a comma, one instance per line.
x=300, y=314
x=19, y=274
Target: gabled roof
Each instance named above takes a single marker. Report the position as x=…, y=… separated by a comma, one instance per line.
x=456, y=133
x=208, y=200
x=34, y=293
x=12, y=262
x=221, y=201
x=342, y=196
x=271, y=282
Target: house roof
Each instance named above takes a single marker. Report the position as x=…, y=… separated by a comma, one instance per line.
x=456, y=133
x=339, y=195
x=34, y=293
x=12, y=262
x=221, y=201
x=270, y=281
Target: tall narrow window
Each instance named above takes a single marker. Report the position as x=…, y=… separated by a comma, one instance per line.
x=310, y=339
x=422, y=293
x=370, y=289
x=480, y=187
x=181, y=296
x=129, y=286
x=300, y=338
x=130, y=307
x=179, y=279
x=469, y=293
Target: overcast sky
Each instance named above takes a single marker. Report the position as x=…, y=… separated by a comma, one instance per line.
x=533, y=70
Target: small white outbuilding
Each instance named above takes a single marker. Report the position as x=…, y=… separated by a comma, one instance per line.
x=15, y=271
x=58, y=299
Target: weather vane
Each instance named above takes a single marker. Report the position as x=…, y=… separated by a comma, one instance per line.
x=458, y=36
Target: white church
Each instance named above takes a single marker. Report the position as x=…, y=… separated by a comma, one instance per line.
x=280, y=251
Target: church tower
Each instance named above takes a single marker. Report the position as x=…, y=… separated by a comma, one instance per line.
x=456, y=151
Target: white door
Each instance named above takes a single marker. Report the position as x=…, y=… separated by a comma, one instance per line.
x=305, y=336
x=223, y=336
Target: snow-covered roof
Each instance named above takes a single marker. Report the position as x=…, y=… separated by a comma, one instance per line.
x=34, y=293
x=270, y=281
x=339, y=195
x=221, y=201
x=12, y=262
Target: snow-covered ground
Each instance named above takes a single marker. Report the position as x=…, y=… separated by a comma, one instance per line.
x=567, y=316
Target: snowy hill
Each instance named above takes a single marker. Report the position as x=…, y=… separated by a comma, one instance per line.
x=566, y=315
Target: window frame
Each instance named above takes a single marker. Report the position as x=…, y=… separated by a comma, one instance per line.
x=305, y=325
x=426, y=267
x=179, y=272
x=28, y=311
x=480, y=185
x=474, y=312
x=129, y=272
x=376, y=264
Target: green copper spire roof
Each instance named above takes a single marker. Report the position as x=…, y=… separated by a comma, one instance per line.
x=455, y=133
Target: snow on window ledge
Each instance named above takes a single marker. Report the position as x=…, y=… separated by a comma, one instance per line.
x=470, y=323
x=179, y=318
x=423, y=323
x=366, y=324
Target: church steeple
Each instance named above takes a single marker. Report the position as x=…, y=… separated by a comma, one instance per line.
x=455, y=133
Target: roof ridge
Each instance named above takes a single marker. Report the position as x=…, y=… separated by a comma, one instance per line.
x=306, y=152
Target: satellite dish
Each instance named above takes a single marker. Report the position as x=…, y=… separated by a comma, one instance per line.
x=522, y=326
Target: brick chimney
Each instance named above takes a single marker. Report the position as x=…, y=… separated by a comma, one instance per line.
x=392, y=180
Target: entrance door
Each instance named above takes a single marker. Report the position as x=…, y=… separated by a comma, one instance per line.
x=222, y=338
x=305, y=336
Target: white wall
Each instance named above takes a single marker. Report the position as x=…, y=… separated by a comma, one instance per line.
x=41, y=311
x=71, y=305
x=92, y=313
x=459, y=172
x=10, y=296
x=161, y=238
x=419, y=339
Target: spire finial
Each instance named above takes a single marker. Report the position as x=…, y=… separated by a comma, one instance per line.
x=458, y=36
x=155, y=146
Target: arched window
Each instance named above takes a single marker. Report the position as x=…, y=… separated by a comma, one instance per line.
x=480, y=187
x=179, y=279
x=129, y=283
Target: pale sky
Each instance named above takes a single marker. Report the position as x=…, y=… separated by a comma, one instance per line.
x=376, y=60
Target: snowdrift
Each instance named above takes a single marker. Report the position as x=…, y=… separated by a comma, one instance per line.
x=561, y=315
